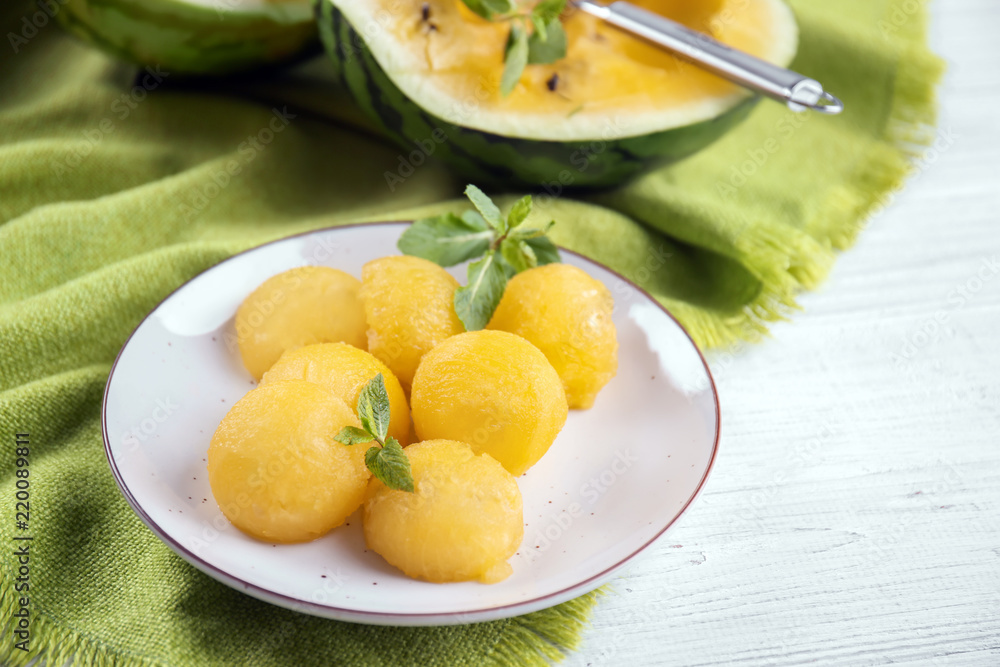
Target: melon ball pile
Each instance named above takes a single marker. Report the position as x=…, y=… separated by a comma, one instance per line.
x=473, y=409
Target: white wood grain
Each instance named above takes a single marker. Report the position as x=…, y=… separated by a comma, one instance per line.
x=854, y=514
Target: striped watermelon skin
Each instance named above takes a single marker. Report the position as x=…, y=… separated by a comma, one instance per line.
x=189, y=39
x=498, y=160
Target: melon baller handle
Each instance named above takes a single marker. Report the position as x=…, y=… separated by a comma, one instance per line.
x=791, y=88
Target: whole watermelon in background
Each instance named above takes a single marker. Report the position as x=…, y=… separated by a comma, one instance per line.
x=428, y=72
x=195, y=36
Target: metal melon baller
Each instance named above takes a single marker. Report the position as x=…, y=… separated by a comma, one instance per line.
x=793, y=89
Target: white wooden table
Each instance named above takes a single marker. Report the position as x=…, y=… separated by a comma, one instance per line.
x=853, y=517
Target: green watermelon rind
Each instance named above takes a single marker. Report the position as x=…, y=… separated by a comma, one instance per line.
x=185, y=38
x=500, y=160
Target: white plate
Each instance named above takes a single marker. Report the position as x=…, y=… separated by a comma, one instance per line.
x=618, y=476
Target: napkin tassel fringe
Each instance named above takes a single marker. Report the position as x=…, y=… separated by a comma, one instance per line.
x=788, y=261
x=543, y=637
x=912, y=143
x=52, y=643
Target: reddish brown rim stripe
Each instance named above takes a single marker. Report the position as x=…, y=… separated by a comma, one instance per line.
x=268, y=595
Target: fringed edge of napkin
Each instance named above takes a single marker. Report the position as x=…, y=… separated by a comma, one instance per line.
x=53, y=644
x=787, y=264
x=540, y=638
x=533, y=640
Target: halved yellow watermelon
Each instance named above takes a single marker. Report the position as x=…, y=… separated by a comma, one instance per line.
x=429, y=72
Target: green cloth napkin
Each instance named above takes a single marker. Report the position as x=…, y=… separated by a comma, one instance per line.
x=114, y=190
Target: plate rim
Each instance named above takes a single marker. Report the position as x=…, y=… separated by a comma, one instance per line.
x=386, y=618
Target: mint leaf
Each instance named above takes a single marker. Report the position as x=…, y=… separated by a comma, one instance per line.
x=539, y=24
x=531, y=232
x=519, y=211
x=373, y=408
x=475, y=303
x=547, y=10
x=506, y=246
x=518, y=254
x=545, y=44
x=390, y=465
x=544, y=249
x=515, y=60
x=386, y=460
x=508, y=270
x=490, y=9
x=479, y=8
x=548, y=45
x=475, y=220
x=447, y=239
x=352, y=435
x=500, y=7
x=486, y=208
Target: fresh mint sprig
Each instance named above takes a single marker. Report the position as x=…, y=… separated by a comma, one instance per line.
x=386, y=460
x=536, y=36
x=501, y=245
x=475, y=303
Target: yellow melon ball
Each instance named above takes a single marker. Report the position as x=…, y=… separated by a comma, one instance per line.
x=275, y=469
x=409, y=307
x=344, y=370
x=493, y=390
x=462, y=522
x=306, y=305
x=567, y=315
